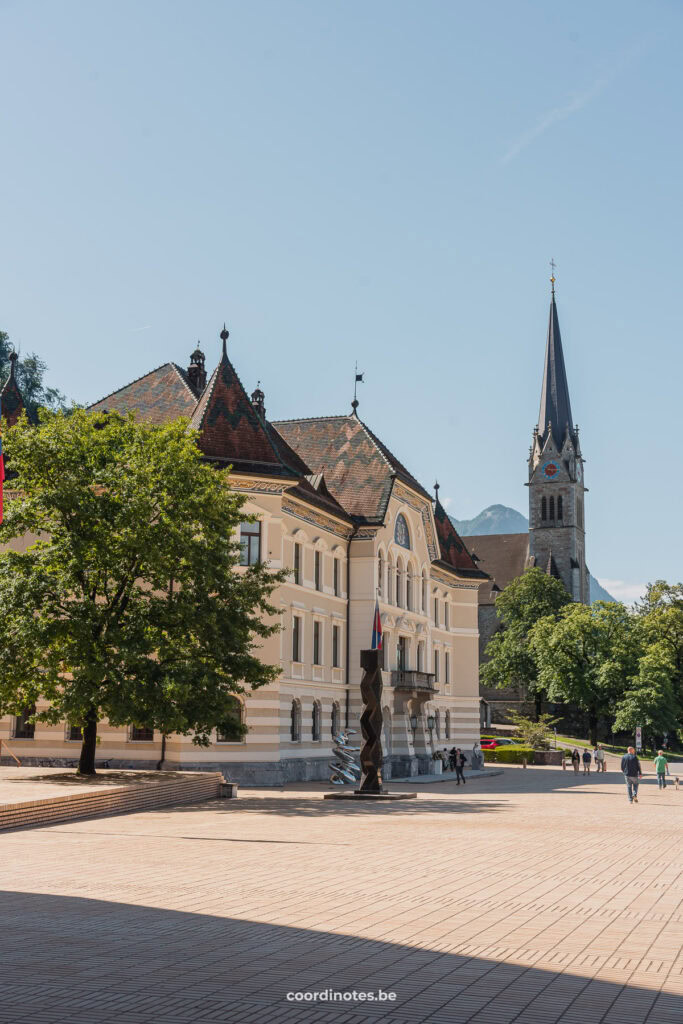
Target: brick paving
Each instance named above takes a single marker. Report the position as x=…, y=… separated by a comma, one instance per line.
x=533, y=897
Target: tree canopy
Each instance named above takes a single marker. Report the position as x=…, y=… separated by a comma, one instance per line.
x=129, y=604
x=30, y=371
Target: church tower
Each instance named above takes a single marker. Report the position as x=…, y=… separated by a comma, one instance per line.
x=557, y=531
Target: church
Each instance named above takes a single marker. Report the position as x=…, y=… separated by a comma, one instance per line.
x=352, y=525
x=556, y=540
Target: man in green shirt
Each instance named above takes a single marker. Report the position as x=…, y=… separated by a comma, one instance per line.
x=662, y=769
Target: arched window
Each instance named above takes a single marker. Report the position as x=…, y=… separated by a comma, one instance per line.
x=437, y=724
x=316, y=722
x=559, y=507
x=295, y=727
x=401, y=534
x=447, y=733
x=399, y=595
x=544, y=508
x=390, y=581
x=231, y=729
x=380, y=574
x=551, y=508
x=446, y=615
x=409, y=587
x=424, y=593
x=336, y=719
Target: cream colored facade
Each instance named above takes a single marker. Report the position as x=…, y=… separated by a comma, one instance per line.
x=429, y=615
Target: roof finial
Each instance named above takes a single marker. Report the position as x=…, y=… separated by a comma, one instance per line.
x=13, y=356
x=224, y=335
x=436, y=490
x=358, y=380
x=553, y=264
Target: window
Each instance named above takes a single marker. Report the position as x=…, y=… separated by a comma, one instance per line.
x=23, y=729
x=336, y=719
x=424, y=594
x=231, y=730
x=551, y=508
x=380, y=574
x=436, y=611
x=317, y=646
x=401, y=535
x=297, y=563
x=437, y=724
x=390, y=581
x=446, y=615
x=447, y=726
x=447, y=668
x=436, y=666
x=409, y=589
x=337, y=577
x=559, y=507
x=316, y=722
x=296, y=638
x=401, y=654
x=250, y=539
x=74, y=733
x=318, y=571
x=295, y=725
x=398, y=585
x=335, y=646
x=544, y=508
x=139, y=734
x=420, y=657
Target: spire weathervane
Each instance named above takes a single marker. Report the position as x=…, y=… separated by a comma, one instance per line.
x=358, y=380
x=553, y=264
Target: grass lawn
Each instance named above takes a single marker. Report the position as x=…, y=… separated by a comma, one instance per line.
x=609, y=748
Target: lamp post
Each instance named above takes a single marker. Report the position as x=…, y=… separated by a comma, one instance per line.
x=431, y=722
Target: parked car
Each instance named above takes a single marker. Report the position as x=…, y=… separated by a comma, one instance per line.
x=499, y=741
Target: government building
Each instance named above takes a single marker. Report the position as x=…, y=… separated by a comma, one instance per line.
x=351, y=524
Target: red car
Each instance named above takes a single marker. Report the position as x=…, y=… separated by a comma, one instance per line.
x=492, y=744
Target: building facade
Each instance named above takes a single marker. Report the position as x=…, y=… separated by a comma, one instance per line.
x=352, y=524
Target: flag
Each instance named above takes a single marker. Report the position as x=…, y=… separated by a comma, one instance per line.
x=359, y=378
x=2, y=463
x=377, y=628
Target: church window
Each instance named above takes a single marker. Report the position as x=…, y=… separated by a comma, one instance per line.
x=559, y=507
x=551, y=508
x=544, y=508
x=401, y=535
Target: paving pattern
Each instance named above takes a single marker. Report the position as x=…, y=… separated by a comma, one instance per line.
x=533, y=897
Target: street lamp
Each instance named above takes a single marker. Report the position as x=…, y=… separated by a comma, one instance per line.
x=413, y=722
x=431, y=722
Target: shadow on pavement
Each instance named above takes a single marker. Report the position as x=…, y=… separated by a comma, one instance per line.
x=88, y=961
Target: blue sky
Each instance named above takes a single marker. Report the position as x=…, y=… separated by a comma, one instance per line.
x=382, y=181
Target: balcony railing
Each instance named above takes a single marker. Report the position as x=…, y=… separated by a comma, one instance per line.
x=409, y=679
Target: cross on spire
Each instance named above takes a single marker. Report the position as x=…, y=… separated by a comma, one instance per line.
x=553, y=264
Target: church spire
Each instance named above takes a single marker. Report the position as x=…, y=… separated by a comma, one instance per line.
x=555, y=408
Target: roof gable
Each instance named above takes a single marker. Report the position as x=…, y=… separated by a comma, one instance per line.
x=160, y=396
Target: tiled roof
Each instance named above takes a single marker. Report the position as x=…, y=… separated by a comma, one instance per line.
x=359, y=470
x=453, y=551
x=162, y=395
x=319, y=497
x=231, y=431
x=504, y=556
x=11, y=400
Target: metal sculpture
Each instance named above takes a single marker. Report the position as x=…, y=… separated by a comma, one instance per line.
x=371, y=723
x=345, y=769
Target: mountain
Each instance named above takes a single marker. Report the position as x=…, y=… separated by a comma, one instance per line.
x=501, y=519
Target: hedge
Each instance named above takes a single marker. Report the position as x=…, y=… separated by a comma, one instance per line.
x=509, y=754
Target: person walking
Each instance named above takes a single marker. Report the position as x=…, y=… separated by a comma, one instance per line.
x=630, y=766
x=662, y=769
x=586, y=757
x=576, y=760
x=460, y=762
x=452, y=757
x=599, y=758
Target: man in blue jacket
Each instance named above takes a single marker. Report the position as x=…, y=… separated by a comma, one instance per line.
x=630, y=766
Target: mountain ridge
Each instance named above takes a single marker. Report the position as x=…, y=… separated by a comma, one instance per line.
x=503, y=519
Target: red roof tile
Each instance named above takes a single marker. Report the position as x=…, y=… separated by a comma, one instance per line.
x=453, y=550
x=162, y=395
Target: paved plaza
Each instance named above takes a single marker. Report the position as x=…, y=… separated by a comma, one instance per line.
x=533, y=897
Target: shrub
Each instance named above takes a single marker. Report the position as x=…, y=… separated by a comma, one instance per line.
x=510, y=755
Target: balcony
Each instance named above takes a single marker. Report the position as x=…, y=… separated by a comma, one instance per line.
x=409, y=679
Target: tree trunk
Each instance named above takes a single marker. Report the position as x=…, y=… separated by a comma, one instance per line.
x=160, y=762
x=86, y=764
x=538, y=702
x=593, y=727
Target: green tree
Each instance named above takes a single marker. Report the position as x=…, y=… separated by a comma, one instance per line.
x=535, y=734
x=649, y=699
x=586, y=656
x=511, y=658
x=30, y=371
x=130, y=605
x=661, y=614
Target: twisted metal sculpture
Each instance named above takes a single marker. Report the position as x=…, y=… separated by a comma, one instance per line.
x=345, y=769
x=371, y=723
